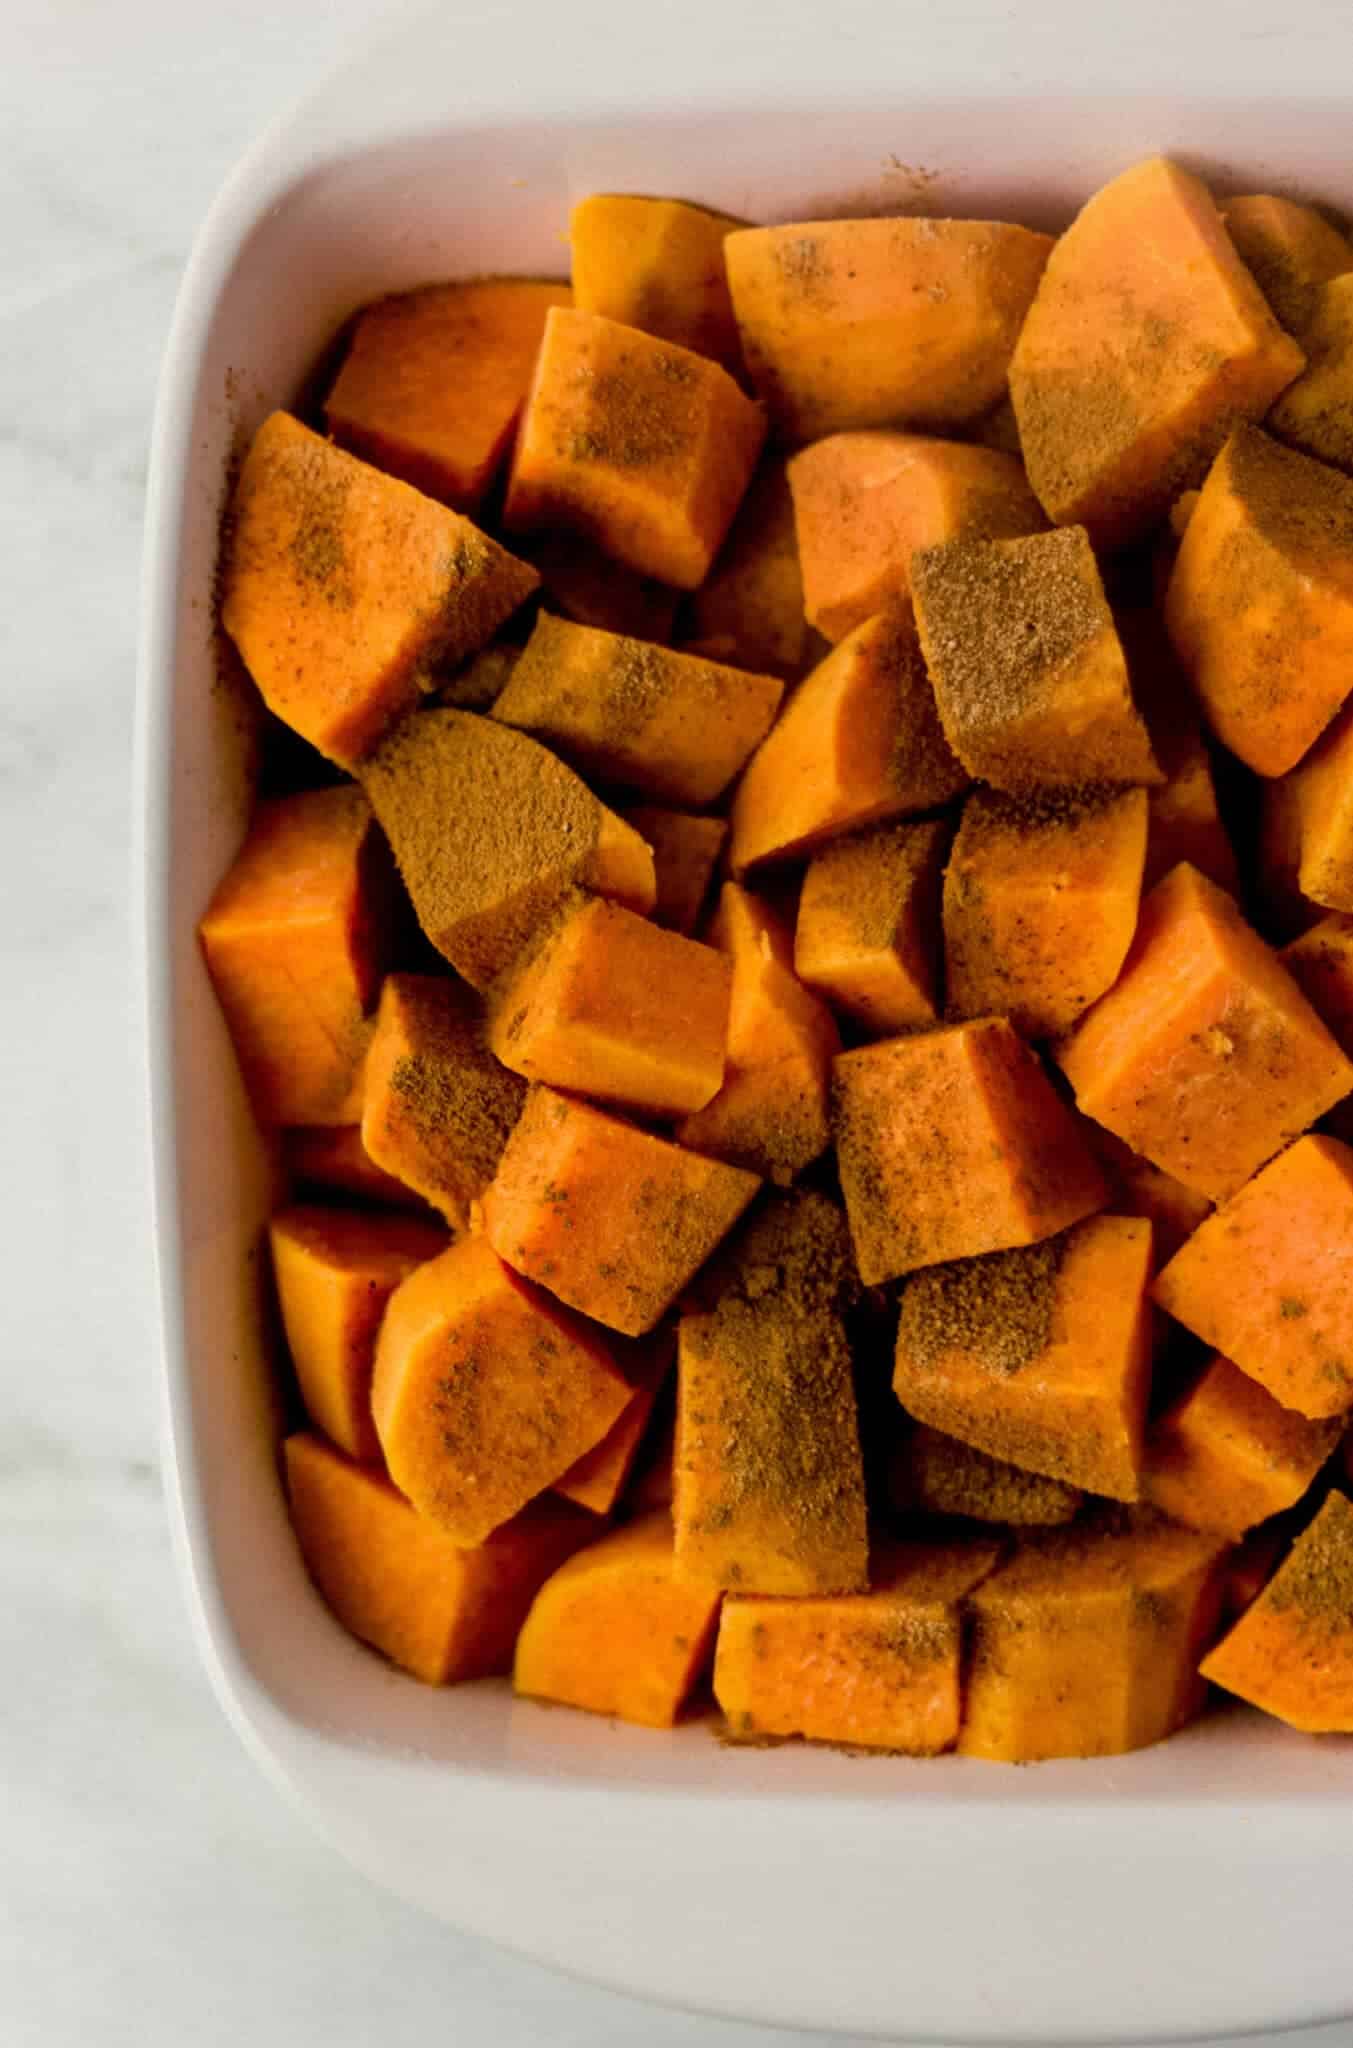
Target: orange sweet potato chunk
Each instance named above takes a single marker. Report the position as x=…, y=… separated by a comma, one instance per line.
x=1137, y=1188
x=864, y=503
x=930, y=1473
x=485, y=1391
x=867, y=935
x=612, y=1219
x=951, y=1143
x=433, y=381
x=1291, y=1652
x=1321, y=964
x=1147, y=340
x=611, y=1006
x=1268, y=1280
x=1225, y=1455
x=1290, y=250
x=881, y=323
x=1309, y=821
x=751, y=603
x=294, y=941
x=618, y=1631
x=1205, y=1056
x=392, y=1577
x=335, y=1270
x=639, y=445
x=879, y=1669
x=673, y=725
x=602, y=1474
x=331, y=1159
x=343, y=586
x=857, y=743
x=1316, y=412
x=656, y=264
x=686, y=850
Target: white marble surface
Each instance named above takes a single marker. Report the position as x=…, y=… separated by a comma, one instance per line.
x=152, y=1889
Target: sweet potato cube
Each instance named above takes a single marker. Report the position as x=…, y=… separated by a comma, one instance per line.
x=612, y=1219
x=343, y=586
x=1291, y=1652
x=294, y=942
x=1137, y=1188
x=867, y=935
x=686, y=851
x=433, y=381
x=638, y=445
x=881, y=323
x=582, y=583
x=1205, y=1056
x=952, y=1143
x=1316, y=412
x=879, y=1669
x=618, y=1631
x=1146, y=341
x=609, y=1005
x=1268, y=1280
x=1289, y=250
x=1040, y=904
x=864, y=503
x=858, y=742
x=1225, y=1455
x=601, y=1475
x=399, y=1582
x=930, y=1473
x=752, y=600
x=485, y=1391
x=328, y=1159
x=1309, y=821
x=491, y=831
x=656, y=264
x=1321, y=964
x=438, y=1106
x=1027, y=668
x=673, y=725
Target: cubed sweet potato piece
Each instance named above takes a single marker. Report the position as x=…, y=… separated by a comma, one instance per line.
x=930, y=1473
x=1147, y=340
x=1316, y=412
x=752, y=599
x=1137, y=1188
x=1290, y=250
x=867, y=935
x=601, y=1475
x=1291, y=1652
x=1309, y=819
x=686, y=851
x=656, y=264
x=1225, y=1455
x=583, y=583
x=328, y=1159
x=1321, y=964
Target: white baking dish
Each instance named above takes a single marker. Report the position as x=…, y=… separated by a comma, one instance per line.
x=1203, y=1886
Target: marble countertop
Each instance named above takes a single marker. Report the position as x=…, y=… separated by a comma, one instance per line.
x=153, y=1890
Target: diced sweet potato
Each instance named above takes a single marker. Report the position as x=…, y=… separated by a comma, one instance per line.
x=1146, y=341
x=858, y=742
x=1268, y=1280
x=485, y=1391
x=433, y=381
x=686, y=851
x=331, y=1159
x=1309, y=822
x=952, y=1143
x=1205, y=1056
x=343, y=586
x=878, y=1669
x=610, y=1218
x=585, y=584
x=1225, y=1455
x=1321, y=964
x=641, y=446
x=673, y=725
x=1040, y=904
x=752, y=599
x=1289, y=250
x=618, y=1631
x=399, y=1582
x=881, y=323
x=933, y=1474
x=1137, y=1188
x=335, y=1270
x=1316, y=412
x=1291, y=1652
x=601, y=1475
x=609, y=1005
x=491, y=831
x=656, y=264
x=867, y=935
x=864, y=503
x=1250, y=1566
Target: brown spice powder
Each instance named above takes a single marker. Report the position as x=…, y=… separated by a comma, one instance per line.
x=1299, y=506
x=642, y=414
x=997, y=1308
x=1316, y=1582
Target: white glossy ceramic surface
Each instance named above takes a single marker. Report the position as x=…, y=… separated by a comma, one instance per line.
x=1200, y=1887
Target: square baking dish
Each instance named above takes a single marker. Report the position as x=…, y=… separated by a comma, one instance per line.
x=1199, y=1887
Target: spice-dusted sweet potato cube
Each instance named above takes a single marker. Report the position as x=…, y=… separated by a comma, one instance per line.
x=1204, y=1055
x=325, y=1160
x=485, y=1391
x=433, y=381
x=769, y=1485
x=1040, y=903
x=673, y=725
x=1225, y=1455
x=1309, y=821
x=606, y=1004
x=686, y=851
x=602, y=1474
x=877, y=1669
x=752, y=600
x=343, y=586
x=491, y=831
x=1268, y=1280
x=1027, y=668
x=1137, y=1188
x=399, y=1582
x=1146, y=341
x=1291, y=1652
x=1086, y=1641
x=294, y=942
x=638, y=445
x=881, y=323
x=1316, y=412
x=858, y=742
x=1040, y=1356
x=612, y=1219
x=1290, y=250
x=864, y=503
x=656, y=264
x=867, y=935
x=1260, y=604
x=438, y=1106
x=1321, y=964
x=930, y=1473
x=618, y=1630
x=951, y=1143
x=335, y=1270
